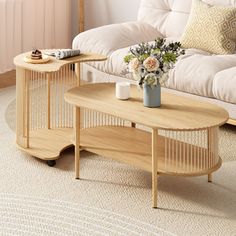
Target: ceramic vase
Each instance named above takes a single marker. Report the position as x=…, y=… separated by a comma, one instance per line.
x=151, y=96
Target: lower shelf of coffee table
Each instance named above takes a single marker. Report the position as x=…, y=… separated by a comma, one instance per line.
x=133, y=146
x=47, y=144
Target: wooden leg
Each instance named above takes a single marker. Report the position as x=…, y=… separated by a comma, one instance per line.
x=133, y=125
x=77, y=141
x=27, y=109
x=154, y=168
x=210, y=178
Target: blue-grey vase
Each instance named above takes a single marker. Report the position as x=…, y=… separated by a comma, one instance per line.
x=151, y=96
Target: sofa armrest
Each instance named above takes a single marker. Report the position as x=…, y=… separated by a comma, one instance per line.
x=106, y=39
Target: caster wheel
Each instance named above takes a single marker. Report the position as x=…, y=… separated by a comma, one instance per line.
x=51, y=163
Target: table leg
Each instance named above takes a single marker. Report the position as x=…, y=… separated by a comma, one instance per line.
x=210, y=177
x=27, y=105
x=154, y=168
x=77, y=140
x=209, y=152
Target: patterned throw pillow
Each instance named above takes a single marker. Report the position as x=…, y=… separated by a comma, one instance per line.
x=211, y=28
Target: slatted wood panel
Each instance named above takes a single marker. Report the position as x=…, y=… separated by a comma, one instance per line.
x=178, y=153
x=41, y=108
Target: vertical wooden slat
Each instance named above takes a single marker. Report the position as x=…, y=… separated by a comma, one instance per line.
x=49, y=101
x=176, y=151
x=166, y=148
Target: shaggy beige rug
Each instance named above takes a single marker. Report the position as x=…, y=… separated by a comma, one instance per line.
x=111, y=198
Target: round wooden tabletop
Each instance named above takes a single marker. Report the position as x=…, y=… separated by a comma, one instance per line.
x=175, y=113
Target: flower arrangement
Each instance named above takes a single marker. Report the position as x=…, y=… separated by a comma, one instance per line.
x=150, y=63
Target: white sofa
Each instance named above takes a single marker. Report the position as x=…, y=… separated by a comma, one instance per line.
x=198, y=74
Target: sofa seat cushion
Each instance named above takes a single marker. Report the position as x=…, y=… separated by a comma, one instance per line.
x=115, y=64
x=196, y=71
x=107, y=39
x=224, y=85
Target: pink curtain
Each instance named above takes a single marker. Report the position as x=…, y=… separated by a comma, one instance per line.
x=27, y=24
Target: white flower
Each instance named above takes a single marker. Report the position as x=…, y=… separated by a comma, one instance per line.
x=166, y=68
x=136, y=76
x=151, y=64
x=134, y=65
x=151, y=79
x=142, y=71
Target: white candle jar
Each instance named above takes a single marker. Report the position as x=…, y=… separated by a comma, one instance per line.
x=123, y=90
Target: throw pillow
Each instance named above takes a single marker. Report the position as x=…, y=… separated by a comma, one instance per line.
x=211, y=28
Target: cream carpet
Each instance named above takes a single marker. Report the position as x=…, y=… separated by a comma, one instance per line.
x=111, y=198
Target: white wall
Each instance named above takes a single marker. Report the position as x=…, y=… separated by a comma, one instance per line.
x=103, y=12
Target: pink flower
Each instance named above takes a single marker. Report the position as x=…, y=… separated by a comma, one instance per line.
x=151, y=64
x=134, y=65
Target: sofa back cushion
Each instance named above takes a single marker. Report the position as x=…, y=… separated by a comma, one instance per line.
x=170, y=17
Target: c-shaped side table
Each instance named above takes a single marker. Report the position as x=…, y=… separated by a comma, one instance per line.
x=44, y=119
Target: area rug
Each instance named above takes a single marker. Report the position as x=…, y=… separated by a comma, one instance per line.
x=111, y=198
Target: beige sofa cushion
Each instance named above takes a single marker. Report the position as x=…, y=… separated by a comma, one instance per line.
x=107, y=39
x=224, y=85
x=170, y=17
x=211, y=28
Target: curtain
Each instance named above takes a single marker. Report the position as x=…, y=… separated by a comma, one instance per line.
x=28, y=24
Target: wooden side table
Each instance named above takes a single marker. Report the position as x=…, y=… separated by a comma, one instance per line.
x=183, y=139
x=44, y=120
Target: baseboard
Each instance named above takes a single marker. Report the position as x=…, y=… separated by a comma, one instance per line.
x=8, y=79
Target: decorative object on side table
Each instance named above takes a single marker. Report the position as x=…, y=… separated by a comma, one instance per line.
x=36, y=57
x=149, y=64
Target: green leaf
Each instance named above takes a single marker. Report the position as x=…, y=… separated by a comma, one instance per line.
x=128, y=58
x=143, y=57
x=169, y=57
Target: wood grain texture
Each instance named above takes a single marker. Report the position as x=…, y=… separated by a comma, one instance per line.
x=175, y=113
x=48, y=144
x=54, y=65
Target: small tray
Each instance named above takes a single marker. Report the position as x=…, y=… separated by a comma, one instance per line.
x=44, y=59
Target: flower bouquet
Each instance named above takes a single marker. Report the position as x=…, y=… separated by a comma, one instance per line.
x=150, y=63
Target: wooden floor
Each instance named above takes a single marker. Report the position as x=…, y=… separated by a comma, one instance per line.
x=8, y=79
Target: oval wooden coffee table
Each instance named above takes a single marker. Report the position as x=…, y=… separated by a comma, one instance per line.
x=183, y=136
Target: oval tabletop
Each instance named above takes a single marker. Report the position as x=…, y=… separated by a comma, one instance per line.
x=175, y=113
x=53, y=64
